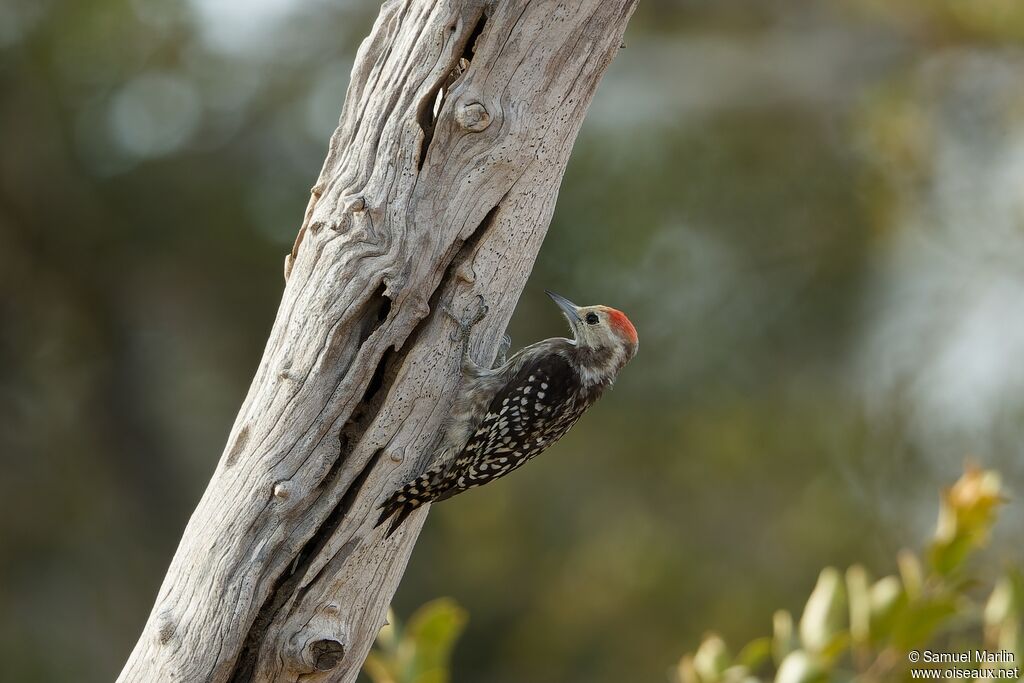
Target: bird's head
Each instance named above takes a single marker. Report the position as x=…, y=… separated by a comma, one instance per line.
x=602, y=333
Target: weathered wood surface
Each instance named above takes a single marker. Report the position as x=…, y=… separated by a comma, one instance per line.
x=280, y=574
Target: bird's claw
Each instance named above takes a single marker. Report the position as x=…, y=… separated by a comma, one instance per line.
x=462, y=334
x=502, y=356
x=481, y=310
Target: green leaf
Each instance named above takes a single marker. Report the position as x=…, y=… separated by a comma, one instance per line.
x=711, y=659
x=800, y=667
x=755, y=654
x=825, y=611
x=911, y=573
x=860, y=603
x=1002, y=614
x=887, y=598
x=921, y=621
x=686, y=672
x=782, y=635
x=434, y=628
x=378, y=669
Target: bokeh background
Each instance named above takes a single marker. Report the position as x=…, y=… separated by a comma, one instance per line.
x=814, y=213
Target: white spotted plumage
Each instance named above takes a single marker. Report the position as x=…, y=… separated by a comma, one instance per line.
x=511, y=413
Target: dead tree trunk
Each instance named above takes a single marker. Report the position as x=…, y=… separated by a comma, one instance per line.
x=439, y=185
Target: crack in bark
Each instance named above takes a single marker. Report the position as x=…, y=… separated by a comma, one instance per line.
x=378, y=308
x=290, y=582
x=432, y=103
x=340, y=350
x=363, y=415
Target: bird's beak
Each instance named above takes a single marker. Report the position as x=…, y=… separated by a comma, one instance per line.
x=569, y=309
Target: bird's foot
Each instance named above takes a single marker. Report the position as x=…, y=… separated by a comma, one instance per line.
x=466, y=326
x=502, y=356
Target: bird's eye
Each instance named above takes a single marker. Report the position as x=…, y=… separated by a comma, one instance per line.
x=592, y=319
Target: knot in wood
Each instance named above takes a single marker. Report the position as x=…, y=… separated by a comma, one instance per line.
x=165, y=627
x=284, y=373
x=473, y=116
x=326, y=654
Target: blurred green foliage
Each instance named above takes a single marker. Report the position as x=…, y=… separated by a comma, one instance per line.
x=1000, y=21
x=419, y=652
x=811, y=211
x=854, y=628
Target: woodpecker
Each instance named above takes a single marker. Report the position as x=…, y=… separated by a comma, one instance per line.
x=506, y=415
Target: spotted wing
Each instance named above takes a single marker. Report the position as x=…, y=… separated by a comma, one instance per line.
x=532, y=411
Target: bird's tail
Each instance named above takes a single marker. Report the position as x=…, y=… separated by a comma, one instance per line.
x=405, y=500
